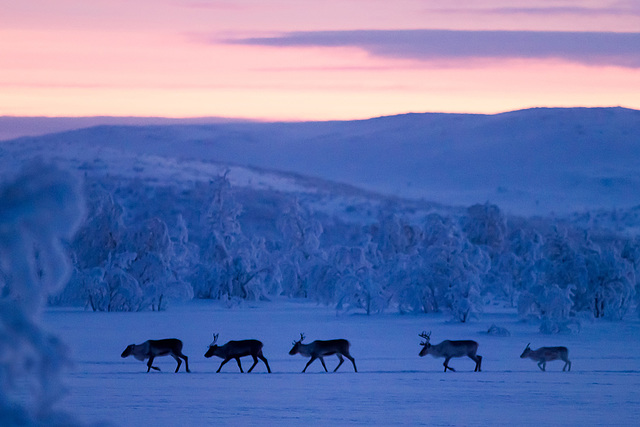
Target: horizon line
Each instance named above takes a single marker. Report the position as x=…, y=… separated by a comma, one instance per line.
x=292, y=120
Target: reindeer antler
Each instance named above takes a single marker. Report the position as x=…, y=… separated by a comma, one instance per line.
x=215, y=339
x=426, y=337
x=301, y=338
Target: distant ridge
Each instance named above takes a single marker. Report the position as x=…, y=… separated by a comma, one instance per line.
x=532, y=161
x=12, y=127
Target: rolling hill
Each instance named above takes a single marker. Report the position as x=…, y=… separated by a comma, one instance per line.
x=535, y=161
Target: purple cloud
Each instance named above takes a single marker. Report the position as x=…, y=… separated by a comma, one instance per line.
x=591, y=48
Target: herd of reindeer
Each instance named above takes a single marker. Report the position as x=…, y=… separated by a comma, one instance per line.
x=319, y=349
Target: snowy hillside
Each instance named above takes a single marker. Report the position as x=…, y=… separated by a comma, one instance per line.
x=527, y=162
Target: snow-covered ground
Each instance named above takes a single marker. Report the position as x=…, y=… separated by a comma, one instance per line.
x=393, y=385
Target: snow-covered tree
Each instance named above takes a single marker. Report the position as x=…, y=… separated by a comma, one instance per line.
x=513, y=269
x=485, y=225
x=252, y=275
x=562, y=263
x=611, y=285
x=39, y=210
x=465, y=287
x=393, y=235
x=152, y=265
x=414, y=290
x=102, y=231
x=301, y=251
x=559, y=274
x=552, y=305
x=356, y=284
x=631, y=253
x=220, y=228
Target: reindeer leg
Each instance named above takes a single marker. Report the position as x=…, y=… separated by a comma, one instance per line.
x=352, y=361
x=222, y=364
x=446, y=365
x=323, y=365
x=542, y=365
x=567, y=363
x=309, y=363
x=186, y=362
x=150, y=364
x=478, y=360
x=255, y=362
x=264, y=359
x=239, y=365
x=339, y=364
x=177, y=359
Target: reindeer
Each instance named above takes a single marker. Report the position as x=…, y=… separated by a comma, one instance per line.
x=152, y=348
x=544, y=354
x=449, y=349
x=236, y=350
x=318, y=349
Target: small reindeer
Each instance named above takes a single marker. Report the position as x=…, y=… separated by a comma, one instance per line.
x=545, y=354
x=153, y=348
x=236, y=350
x=318, y=349
x=449, y=349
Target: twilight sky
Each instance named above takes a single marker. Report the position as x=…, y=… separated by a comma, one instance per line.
x=322, y=59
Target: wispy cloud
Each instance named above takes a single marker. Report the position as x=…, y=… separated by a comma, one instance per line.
x=590, y=48
x=616, y=10
x=580, y=11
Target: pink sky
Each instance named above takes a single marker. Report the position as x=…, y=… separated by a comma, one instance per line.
x=329, y=59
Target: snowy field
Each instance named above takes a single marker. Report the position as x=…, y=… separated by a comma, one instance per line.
x=393, y=386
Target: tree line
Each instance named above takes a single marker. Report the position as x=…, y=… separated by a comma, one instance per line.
x=143, y=245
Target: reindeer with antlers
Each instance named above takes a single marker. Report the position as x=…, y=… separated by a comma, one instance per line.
x=449, y=349
x=236, y=350
x=318, y=349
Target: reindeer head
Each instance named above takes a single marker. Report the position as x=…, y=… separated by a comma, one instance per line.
x=127, y=351
x=526, y=352
x=212, y=347
x=426, y=343
x=296, y=345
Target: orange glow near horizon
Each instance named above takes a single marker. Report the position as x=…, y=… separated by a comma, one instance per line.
x=168, y=58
